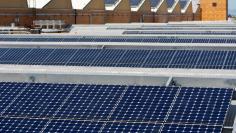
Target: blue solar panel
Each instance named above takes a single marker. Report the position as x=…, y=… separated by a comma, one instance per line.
x=21, y=125
x=211, y=60
x=59, y=57
x=44, y=107
x=230, y=61
x=201, y=106
x=131, y=127
x=143, y=39
x=121, y=58
x=108, y=57
x=8, y=92
x=185, y=59
x=128, y=60
x=84, y=57
x=39, y=100
x=144, y=103
x=72, y=126
x=159, y=59
x=36, y=56
x=13, y=56
x=91, y=102
x=181, y=128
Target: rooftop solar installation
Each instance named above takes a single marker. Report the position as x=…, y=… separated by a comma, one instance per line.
x=185, y=59
x=131, y=39
x=135, y=32
x=46, y=107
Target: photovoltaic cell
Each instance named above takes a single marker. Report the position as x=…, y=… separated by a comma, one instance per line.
x=91, y=102
x=181, y=128
x=44, y=107
x=131, y=127
x=144, y=103
x=21, y=125
x=201, y=105
x=72, y=126
x=39, y=100
x=8, y=91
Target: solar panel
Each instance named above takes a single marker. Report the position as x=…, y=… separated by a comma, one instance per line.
x=185, y=59
x=24, y=125
x=72, y=126
x=211, y=60
x=39, y=100
x=44, y=107
x=59, y=57
x=200, y=106
x=128, y=60
x=131, y=127
x=84, y=57
x=177, y=128
x=12, y=56
x=35, y=57
x=8, y=92
x=142, y=39
x=144, y=103
x=90, y=102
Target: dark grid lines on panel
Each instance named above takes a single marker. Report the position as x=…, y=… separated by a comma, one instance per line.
x=72, y=126
x=84, y=57
x=90, y=102
x=36, y=56
x=185, y=59
x=108, y=57
x=159, y=59
x=39, y=100
x=133, y=58
x=59, y=57
x=13, y=56
x=9, y=91
x=181, y=128
x=211, y=60
x=144, y=104
x=21, y=125
x=201, y=106
x=230, y=62
x=125, y=127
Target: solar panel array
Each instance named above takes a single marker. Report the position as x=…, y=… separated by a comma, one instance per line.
x=135, y=32
x=191, y=59
x=124, y=39
x=45, y=107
